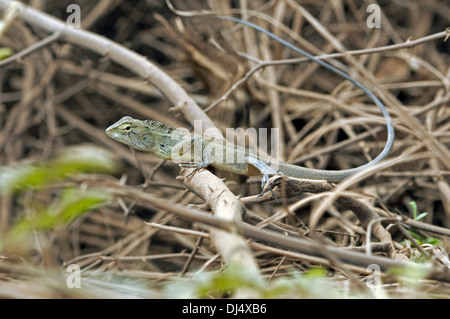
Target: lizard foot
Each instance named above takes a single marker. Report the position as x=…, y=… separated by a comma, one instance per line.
x=195, y=165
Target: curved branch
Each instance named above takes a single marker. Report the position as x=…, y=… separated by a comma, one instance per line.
x=130, y=60
x=232, y=246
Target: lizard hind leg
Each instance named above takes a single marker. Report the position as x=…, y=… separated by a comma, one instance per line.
x=265, y=170
x=264, y=181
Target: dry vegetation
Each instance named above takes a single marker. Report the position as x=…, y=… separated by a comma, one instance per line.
x=148, y=239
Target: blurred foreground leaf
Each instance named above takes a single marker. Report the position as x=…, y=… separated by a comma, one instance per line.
x=71, y=204
x=224, y=284
x=5, y=52
x=72, y=160
x=45, y=204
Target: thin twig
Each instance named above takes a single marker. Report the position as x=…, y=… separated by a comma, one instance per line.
x=15, y=58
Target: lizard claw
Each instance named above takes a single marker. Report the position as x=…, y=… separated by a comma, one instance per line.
x=195, y=165
x=264, y=181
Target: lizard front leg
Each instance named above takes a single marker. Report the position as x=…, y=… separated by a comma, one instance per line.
x=194, y=151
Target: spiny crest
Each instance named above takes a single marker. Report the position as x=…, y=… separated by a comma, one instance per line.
x=155, y=125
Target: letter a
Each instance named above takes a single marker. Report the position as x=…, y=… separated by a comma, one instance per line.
x=74, y=19
x=374, y=19
x=74, y=279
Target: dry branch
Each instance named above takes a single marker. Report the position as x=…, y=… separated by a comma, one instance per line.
x=149, y=72
x=54, y=93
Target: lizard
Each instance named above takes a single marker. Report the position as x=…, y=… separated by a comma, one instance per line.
x=202, y=151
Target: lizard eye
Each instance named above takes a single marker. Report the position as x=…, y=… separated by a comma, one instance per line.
x=127, y=128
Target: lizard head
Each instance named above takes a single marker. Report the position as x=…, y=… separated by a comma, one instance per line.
x=147, y=136
x=127, y=130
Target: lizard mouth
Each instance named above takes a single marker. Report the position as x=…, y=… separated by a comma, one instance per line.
x=110, y=132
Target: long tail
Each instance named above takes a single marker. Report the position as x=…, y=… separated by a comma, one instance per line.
x=340, y=174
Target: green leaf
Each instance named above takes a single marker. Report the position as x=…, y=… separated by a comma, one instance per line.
x=316, y=272
x=72, y=160
x=432, y=241
x=25, y=176
x=75, y=202
x=416, y=236
x=232, y=278
x=5, y=52
x=414, y=208
x=421, y=215
x=72, y=204
x=411, y=273
x=85, y=158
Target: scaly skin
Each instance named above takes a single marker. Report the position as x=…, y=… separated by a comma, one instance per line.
x=167, y=143
x=180, y=146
